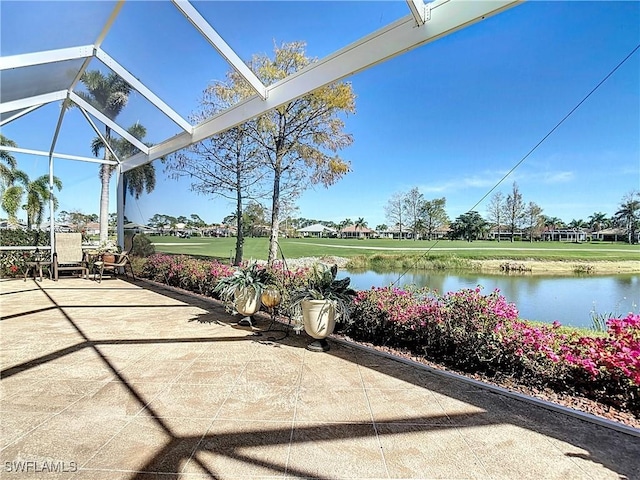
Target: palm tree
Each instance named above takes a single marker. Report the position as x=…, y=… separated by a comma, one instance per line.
x=553, y=223
x=576, y=224
x=345, y=223
x=359, y=224
x=110, y=95
x=8, y=162
x=38, y=194
x=140, y=179
x=10, y=193
x=629, y=215
x=597, y=221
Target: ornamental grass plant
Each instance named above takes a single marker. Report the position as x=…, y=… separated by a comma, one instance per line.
x=257, y=277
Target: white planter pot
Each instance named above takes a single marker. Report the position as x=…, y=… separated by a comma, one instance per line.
x=247, y=301
x=319, y=317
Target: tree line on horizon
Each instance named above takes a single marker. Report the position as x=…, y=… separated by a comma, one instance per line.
x=405, y=211
x=411, y=212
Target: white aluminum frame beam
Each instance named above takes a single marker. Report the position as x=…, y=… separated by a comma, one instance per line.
x=143, y=90
x=419, y=11
x=36, y=101
x=109, y=23
x=99, y=133
x=47, y=56
x=98, y=43
x=41, y=153
x=18, y=114
x=447, y=17
x=220, y=45
x=55, y=137
x=110, y=123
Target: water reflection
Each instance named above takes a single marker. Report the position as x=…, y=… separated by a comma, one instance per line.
x=568, y=300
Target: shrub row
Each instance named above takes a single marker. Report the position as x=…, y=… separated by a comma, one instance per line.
x=12, y=262
x=202, y=276
x=199, y=276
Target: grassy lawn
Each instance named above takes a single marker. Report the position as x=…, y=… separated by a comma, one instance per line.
x=257, y=248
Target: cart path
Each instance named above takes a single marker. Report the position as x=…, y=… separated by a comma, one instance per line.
x=523, y=249
x=177, y=244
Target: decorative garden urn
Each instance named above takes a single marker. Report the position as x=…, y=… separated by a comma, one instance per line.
x=319, y=317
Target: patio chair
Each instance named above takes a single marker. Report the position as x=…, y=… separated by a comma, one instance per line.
x=68, y=254
x=121, y=261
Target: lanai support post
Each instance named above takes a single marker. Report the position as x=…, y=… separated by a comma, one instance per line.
x=120, y=206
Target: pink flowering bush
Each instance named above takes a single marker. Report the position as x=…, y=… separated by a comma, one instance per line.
x=616, y=355
x=458, y=327
x=289, y=280
x=200, y=276
x=604, y=367
x=467, y=333
x=532, y=353
x=393, y=316
x=609, y=367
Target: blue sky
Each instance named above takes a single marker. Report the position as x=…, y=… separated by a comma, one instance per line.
x=450, y=118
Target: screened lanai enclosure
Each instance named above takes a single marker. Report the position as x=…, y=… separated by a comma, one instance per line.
x=427, y=78
x=166, y=53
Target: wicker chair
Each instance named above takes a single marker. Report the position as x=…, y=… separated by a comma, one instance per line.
x=68, y=254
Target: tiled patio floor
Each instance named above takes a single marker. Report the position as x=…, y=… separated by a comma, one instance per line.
x=118, y=380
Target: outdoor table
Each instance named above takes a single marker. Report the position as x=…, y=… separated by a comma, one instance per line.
x=36, y=266
x=94, y=261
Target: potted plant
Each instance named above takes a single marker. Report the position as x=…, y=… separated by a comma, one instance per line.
x=244, y=288
x=322, y=302
x=107, y=251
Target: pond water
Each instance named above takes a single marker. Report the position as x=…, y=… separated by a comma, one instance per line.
x=569, y=300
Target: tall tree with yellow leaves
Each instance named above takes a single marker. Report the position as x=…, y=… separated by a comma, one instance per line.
x=298, y=141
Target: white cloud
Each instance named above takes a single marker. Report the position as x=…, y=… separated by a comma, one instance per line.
x=485, y=180
x=557, y=177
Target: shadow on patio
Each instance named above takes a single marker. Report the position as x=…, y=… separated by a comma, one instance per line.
x=127, y=380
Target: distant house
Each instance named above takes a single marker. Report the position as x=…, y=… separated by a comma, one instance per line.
x=610, y=235
x=92, y=228
x=219, y=230
x=58, y=227
x=395, y=234
x=5, y=225
x=257, y=230
x=361, y=232
x=564, y=235
x=504, y=233
x=317, y=230
x=138, y=228
x=439, y=233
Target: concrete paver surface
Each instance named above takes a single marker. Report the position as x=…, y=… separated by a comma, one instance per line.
x=123, y=380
